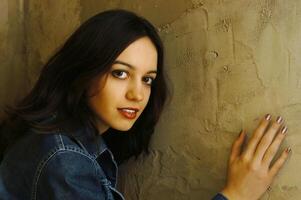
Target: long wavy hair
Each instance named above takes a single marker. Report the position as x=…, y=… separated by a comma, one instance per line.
x=62, y=86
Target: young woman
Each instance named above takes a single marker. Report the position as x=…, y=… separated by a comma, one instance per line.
x=95, y=105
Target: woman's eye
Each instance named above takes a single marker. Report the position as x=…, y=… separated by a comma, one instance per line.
x=119, y=74
x=148, y=80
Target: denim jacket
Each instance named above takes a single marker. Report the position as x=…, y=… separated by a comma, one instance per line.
x=56, y=166
x=219, y=196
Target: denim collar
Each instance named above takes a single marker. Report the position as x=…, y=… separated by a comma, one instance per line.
x=88, y=137
x=93, y=143
x=96, y=146
x=91, y=140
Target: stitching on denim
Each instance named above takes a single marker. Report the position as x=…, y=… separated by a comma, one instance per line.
x=116, y=167
x=39, y=170
x=50, y=155
x=112, y=188
x=73, y=148
x=61, y=140
x=81, y=145
x=96, y=154
x=58, y=141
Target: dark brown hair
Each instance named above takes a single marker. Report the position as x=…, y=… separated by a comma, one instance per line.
x=64, y=80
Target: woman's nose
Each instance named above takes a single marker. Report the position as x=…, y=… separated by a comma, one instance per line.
x=135, y=92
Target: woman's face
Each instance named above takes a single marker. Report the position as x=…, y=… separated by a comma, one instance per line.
x=119, y=97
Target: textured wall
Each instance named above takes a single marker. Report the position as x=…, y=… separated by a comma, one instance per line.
x=12, y=54
x=48, y=24
x=230, y=62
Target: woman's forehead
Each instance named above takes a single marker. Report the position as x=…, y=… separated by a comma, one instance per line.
x=142, y=53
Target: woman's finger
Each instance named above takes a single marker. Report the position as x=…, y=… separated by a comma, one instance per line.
x=237, y=145
x=279, y=163
x=256, y=137
x=272, y=150
x=266, y=140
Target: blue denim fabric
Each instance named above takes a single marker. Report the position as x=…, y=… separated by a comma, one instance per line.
x=56, y=166
x=219, y=196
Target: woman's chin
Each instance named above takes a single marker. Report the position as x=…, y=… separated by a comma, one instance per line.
x=123, y=128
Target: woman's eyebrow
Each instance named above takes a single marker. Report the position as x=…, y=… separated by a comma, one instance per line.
x=131, y=66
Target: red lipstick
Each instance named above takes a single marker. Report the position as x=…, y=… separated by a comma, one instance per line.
x=129, y=113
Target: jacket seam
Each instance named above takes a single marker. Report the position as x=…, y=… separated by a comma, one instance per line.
x=114, y=189
x=116, y=167
x=61, y=141
x=95, y=155
x=51, y=154
x=81, y=145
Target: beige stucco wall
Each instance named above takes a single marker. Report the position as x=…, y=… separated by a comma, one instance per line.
x=13, y=74
x=230, y=62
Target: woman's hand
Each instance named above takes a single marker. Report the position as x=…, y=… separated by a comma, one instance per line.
x=250, y=172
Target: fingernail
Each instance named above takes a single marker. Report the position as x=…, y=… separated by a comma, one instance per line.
x=279, y=119
x=288, y=150
x=268, y=117
x=284, y=129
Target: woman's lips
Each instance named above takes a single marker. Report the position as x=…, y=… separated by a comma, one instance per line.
x=128, y=114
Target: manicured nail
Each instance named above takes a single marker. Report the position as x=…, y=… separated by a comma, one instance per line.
x=279, y=119
x=288, y=150
x=284, y=129
x=268, y=117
